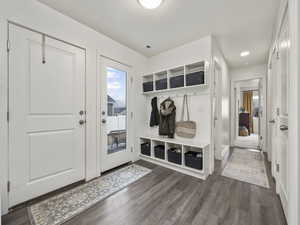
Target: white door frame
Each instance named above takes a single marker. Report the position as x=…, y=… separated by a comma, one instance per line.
x=3, y=118
x=130, y=126
x=237, y=103
x=4, y=74
x=294, y=115
x=233, y=119
x=217, y=119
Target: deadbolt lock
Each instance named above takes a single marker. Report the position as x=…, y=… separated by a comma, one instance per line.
x=82, y=112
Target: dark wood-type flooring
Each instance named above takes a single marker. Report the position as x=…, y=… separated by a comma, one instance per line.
x=166, y=197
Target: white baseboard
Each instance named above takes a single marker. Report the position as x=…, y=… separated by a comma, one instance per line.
x=283, y=198
x=224, y=151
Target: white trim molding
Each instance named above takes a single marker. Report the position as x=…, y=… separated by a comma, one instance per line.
x=294, y=114
x=3, y=115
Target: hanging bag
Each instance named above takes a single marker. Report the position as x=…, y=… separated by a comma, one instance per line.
x=185, y=128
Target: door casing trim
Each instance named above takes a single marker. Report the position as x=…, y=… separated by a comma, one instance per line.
x=262, y=120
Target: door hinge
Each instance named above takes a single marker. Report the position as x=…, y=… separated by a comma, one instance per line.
x=131, y=80
x=8, y=45
x=278, y=111
x=277, y=55
x=7, y=116
x=131, y=149
x=270, y=66
x=131, y=115
x=8, y=186
x=277, y=168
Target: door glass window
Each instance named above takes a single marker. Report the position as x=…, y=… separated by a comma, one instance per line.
x=116, y=110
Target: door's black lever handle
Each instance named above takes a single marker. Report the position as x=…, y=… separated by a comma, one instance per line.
x=284, y=127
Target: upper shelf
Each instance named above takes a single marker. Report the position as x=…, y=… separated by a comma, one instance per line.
x=179, y=78
x=191, y=143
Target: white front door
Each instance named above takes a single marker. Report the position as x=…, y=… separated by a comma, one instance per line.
x=114, y=121
x=46, y=141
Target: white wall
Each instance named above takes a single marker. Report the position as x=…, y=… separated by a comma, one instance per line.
x=37, y=16
x=185, y=54
x=248, y=72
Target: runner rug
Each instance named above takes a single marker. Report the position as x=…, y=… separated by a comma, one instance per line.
x=62, y=207
x=247, y=166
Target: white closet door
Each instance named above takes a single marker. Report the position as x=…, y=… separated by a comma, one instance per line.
x=46, y=141
x=283, y=81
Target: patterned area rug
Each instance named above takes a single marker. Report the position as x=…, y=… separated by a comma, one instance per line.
x=61, y=208
x=247, y=166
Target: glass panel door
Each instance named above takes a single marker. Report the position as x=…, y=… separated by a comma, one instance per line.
x=115, y=130
x=116, y=110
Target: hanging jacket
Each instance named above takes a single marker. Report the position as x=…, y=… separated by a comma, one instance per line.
x=154, y=118
x=167, y=118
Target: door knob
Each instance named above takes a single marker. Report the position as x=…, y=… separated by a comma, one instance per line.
x=103, y=120
x=81, y=122
x=272, y=121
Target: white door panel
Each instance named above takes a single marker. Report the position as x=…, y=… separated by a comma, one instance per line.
x=113, y=114
x=46, y=142
x=278, y=99
x=283, y=61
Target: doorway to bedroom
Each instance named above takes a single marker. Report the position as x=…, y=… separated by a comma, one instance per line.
x=249, y=109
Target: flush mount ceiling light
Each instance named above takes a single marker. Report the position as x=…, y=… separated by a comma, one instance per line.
x=150, y=4
x=245, y=53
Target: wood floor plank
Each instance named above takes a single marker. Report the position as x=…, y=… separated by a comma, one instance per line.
x=166, y=197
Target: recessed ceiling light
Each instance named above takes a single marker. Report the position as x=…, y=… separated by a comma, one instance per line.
x=245, y=53
x=150, y=4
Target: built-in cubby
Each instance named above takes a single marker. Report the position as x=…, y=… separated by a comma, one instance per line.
x=145, y=144
x=148, y=83
x=176, y=77
x=193, y=157
x=181, y=77
x=195, y=74
x=188, y=157
x=161, y=80
x=159, y=149
x=174, y=152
